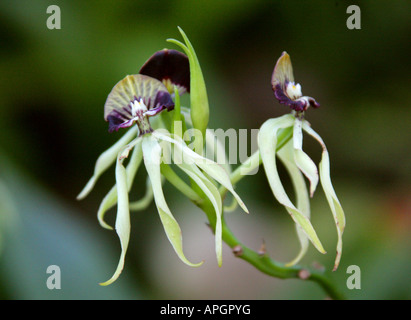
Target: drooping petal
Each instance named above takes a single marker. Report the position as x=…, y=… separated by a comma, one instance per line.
x=123, y=217
x=105, y=160
x=267, y=140
x=216, y=172
x=213, y=169
x=210, y=190
x=152, y=158
x=118, y=110
x=170, y=67
x=111, y=198
x=333, y=202
x=216, y=151
x=286, y=155
x=214, y=196
x=302, y=160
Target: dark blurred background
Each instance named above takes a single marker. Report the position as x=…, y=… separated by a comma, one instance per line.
x=53, y=87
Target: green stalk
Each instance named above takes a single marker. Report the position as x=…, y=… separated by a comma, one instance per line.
x=179, y=183
x=260, y=260
x=265, y=264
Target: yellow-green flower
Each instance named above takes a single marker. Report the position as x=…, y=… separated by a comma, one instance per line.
x=131, y=103
x=296, y=161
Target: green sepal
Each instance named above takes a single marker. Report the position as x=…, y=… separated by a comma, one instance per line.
x=198, y=91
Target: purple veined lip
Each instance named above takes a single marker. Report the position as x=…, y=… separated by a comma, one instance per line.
x=118, y=109
x=283, y=77
x=170, y=67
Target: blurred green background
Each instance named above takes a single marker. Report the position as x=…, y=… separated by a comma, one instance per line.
x=53, y=87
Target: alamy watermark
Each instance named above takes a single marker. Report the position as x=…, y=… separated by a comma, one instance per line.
x=354, y=280
x=354, y=20
x=54, y=280
x=54, y=20
x=226, y=147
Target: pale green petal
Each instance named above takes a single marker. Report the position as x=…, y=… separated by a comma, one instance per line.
x=213, y=194
x=152, y=156
x=108, y=201
x=216, y=172
x=213, y=169
x=123, y=217
x=267, y=140
x=205, y=184
x=106, y=159
x=216, y=151
x=286, y=155
x=111, y=198
x=332, y=198
x=302, y=160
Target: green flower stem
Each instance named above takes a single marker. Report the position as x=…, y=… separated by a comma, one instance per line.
x=261, y=260
x=265, y=264
x=177, y=116
x=179, y=183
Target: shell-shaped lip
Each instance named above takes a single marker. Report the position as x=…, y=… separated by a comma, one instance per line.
x=283, y=98
x=170, y=67
x=138, y=87
x=281, y=77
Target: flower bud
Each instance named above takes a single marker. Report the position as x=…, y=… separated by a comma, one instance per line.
x=198, y=91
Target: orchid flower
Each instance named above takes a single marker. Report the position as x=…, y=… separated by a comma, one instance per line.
x=131, y=103
x=296, y=161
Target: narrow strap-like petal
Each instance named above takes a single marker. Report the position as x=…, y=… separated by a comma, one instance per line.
x=213, y=169
x=123, y=217
x=302, y=160
x=215, y=151
x=152, y=157
x=105, y=160
x=334, y=203
x=111, y=198
x=267, y=140
x=213, y=194
x=286, y=155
